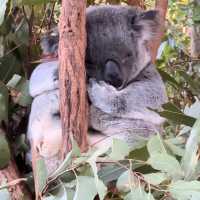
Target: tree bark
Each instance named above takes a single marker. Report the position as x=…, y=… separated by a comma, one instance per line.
x=10, y=177
x=16, y=187
x=139, y=3
x=195, y=37
x=161, y=6
x=72, y=75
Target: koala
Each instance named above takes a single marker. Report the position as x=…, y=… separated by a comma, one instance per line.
x=124, y=87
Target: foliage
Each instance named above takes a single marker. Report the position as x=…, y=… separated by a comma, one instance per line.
x=166, y=167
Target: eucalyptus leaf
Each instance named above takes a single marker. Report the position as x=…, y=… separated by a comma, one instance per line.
x=183, y=190
x=166, y=163
x=155, y=178
x=21, y=87
x=119, y=149
x=5, y=155
x=4, y=194
x=3, y=4
x=126, y=181
x=155, y=145
x=41, y=173
x=138, y=194
x=85, y=188
x=3, y=102
x=190, y=158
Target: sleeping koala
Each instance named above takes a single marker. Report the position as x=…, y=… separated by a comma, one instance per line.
x=123, y=85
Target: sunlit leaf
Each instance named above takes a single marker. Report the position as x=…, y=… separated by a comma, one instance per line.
x=4, y=151
x=3, y=102
x=190, y=158
x=166, y=163
x=119, y=149
x=155, y=178
x=182, y=190
x=3, y=4
x=85, y=188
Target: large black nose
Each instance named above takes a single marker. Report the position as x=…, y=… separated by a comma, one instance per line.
x=112, y=73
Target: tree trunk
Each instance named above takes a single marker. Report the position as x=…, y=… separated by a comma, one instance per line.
x=139, y=3
x=72, y=75
x=161, y=6
x=10, y=177
x=195, y=37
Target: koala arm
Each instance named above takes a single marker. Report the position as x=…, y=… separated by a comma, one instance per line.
x=147, y=91
x=44, y=78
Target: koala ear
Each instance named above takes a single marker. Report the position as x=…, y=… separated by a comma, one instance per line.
x=146, y=24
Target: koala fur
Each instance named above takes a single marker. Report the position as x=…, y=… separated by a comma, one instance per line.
x=123, y=85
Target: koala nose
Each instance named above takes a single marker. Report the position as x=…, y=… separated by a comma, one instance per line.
x=112, y=73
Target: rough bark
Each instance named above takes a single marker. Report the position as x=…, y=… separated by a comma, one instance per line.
x=195, y=37
x=161, y=6
x=10, y=177
x=139, y=3
x=72, y=76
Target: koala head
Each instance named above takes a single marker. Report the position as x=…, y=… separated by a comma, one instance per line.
x=117, y=39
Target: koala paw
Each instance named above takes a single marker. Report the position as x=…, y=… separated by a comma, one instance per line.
x=101, y=94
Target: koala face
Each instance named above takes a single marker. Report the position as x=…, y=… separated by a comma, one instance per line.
x=116, y=43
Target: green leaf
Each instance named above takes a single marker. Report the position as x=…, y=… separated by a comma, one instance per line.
x=63, y=166
x=190, y=158
x=138, y=194
x=85, y=188
x=111, y=172
x=21, y=86
x=166, y=163
x=4, y=194
x=182, y=190
x=194, y=85
x=41, y=174
x=34, y=2
x=9, y=65
x=3, y=102
x=126, y=181
x=3, y=4
x=101, y=188
x=155, y=145
x=155, y=178
x=174, y=148
x=168, y=78
x=193, y=110
x=119, y=149
x=178, y=118
x=170, y=106
x=5, y=155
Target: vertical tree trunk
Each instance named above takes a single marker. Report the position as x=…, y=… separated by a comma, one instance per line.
x=161, y=6
x=139, y=3
x=195, y=37
x=10, y=177
x=73, y=101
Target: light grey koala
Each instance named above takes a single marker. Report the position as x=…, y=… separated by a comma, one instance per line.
x=123, y=85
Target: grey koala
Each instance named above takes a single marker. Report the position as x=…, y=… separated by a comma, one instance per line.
x=123, y=85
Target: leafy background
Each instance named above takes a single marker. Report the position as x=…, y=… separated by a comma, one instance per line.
x=166, y=167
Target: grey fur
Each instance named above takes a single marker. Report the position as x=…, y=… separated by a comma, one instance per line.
x=123, y=85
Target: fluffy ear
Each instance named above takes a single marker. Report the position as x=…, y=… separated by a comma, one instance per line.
x=146, y=24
